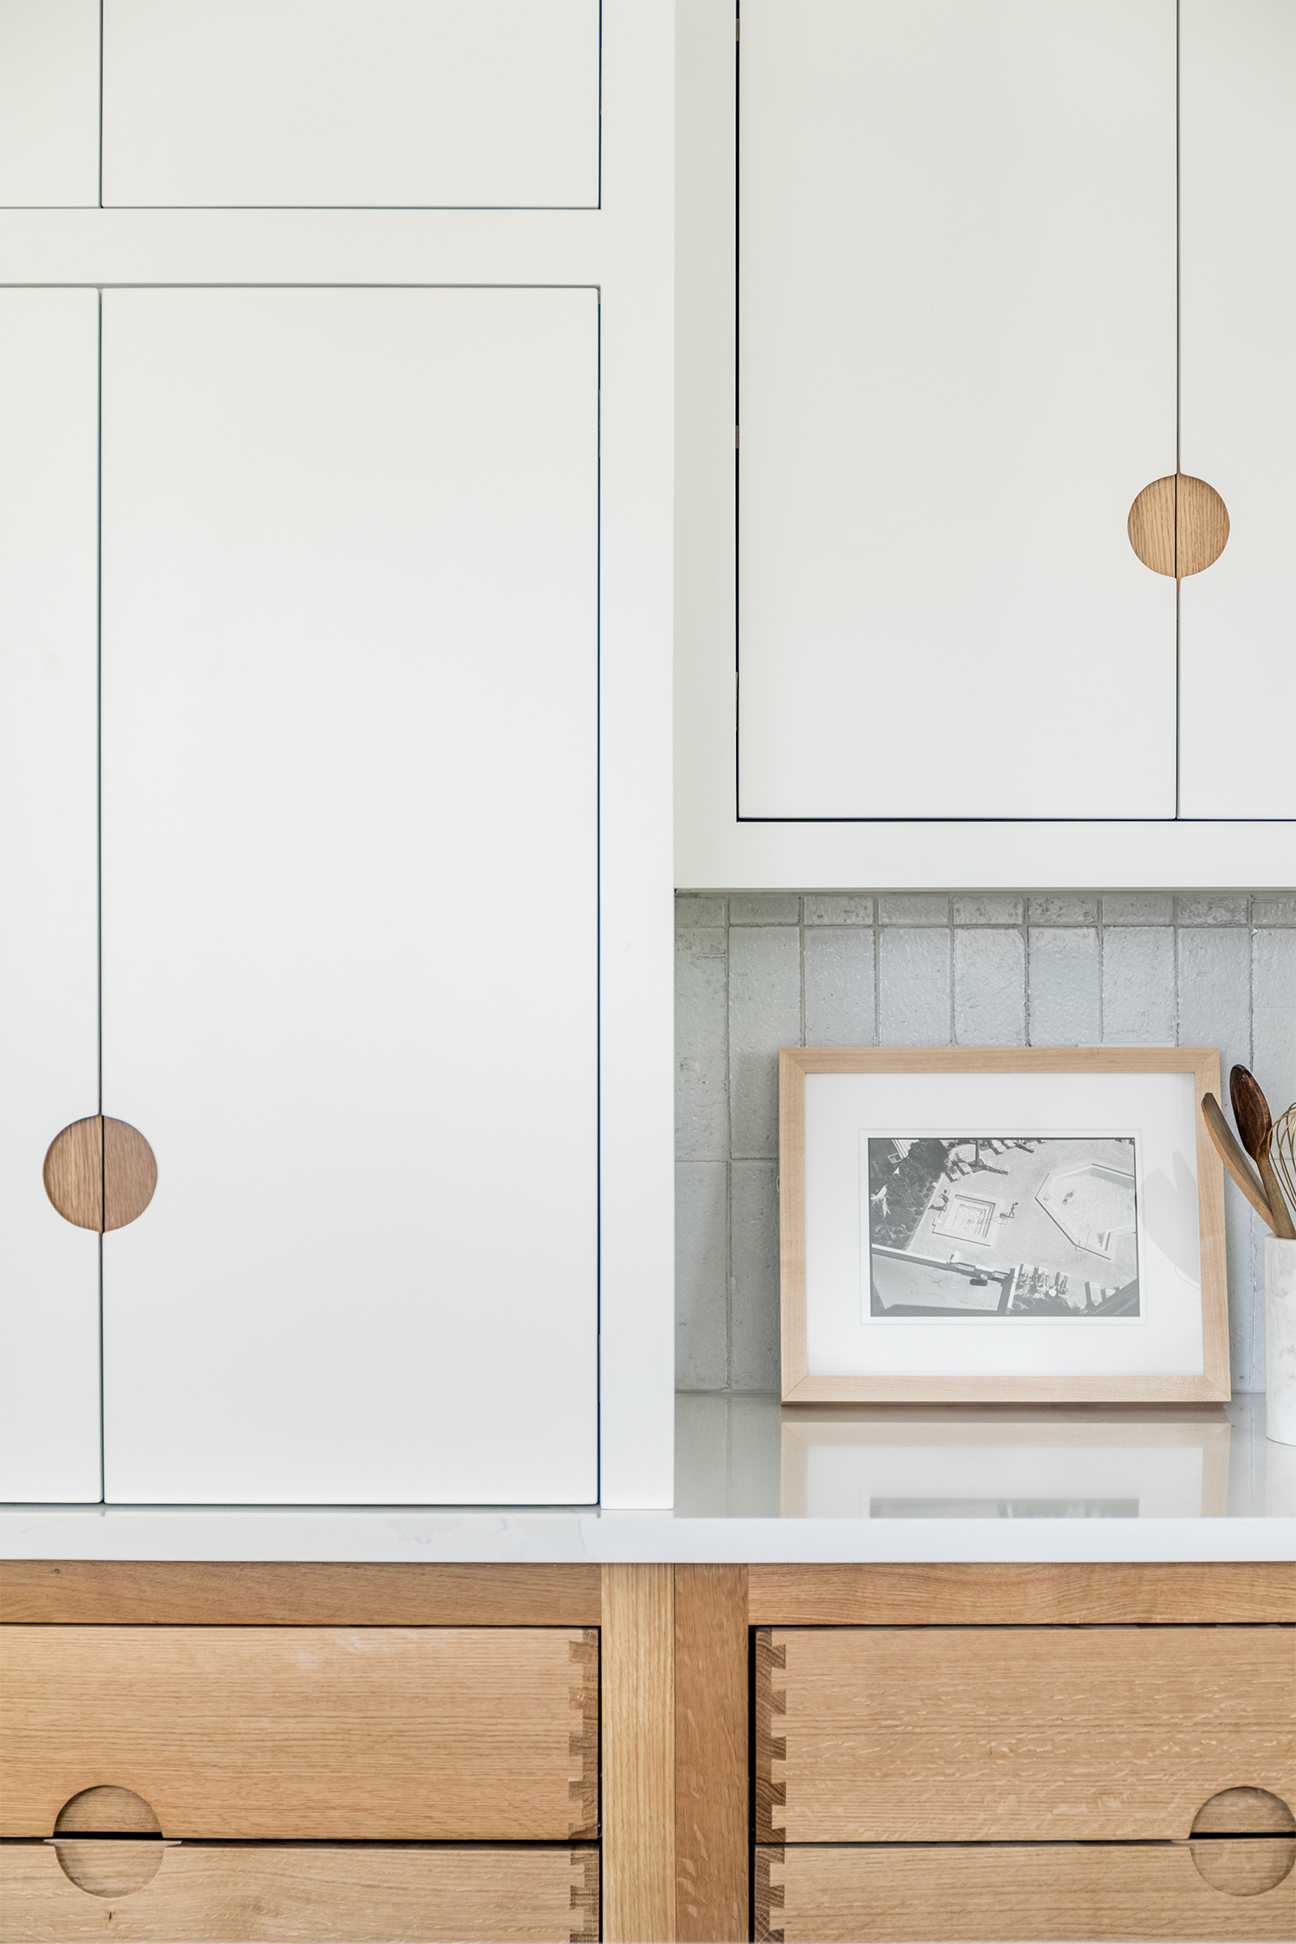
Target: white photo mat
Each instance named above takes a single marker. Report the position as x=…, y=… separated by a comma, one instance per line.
x=1171, y=1341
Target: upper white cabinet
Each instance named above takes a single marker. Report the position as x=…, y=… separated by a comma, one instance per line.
x=1237, y=623
x=49, y=103
x=915, y=643
x=494, y=103
x=956, y=371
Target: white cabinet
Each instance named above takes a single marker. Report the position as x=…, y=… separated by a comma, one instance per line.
x=49, y=103
x=468, y=103
x=49, y=897
x=915, y=644
x=350, y=740
x=374, y=891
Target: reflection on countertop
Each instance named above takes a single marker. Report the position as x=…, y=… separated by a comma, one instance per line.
x=744, y=1455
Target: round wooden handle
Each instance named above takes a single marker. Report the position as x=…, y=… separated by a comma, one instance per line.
x=89, y=1834
x=1178, y=526
x=1244, y=1841
x=100, y=1173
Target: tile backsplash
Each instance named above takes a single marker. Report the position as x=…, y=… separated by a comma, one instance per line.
x=760, y=970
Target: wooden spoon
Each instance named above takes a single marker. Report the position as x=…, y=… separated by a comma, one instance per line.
x=1233, y=1157
x=1251, y=1112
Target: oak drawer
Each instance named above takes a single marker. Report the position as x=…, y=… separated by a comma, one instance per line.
x=357, y=1895
x=978, y=1734
x=409, y=1733
x=1063, y=1890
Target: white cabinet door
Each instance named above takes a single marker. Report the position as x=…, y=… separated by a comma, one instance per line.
x=49, y=103
x=1238, y=416
x=349, y=885
x=49, y=974
x=470, y=103
x=957, y=370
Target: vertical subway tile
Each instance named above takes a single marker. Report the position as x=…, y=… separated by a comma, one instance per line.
x=1065, y=986
x=1064, y=909
x=764, y=1014
x=692, y=913
x=701, y=1455
x=914, y=987
x=1211, y=908
x=1137, y=908
x=764, y=908
x=1273, y=908
x=844, y=910
x=914, y=908
x=984, y=909
x=839, y=987
x=1273, y=1021
x=989, y=988
x=701, y=1275
x=1138, y=986
x=701, y=1036
x=754, y=1297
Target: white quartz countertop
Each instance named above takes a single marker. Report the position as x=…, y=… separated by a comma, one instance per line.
x=760, y=1482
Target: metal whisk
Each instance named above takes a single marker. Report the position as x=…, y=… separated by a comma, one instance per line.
x=1282, y=1152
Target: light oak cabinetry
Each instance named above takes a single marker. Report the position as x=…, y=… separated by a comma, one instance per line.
x=975, y=1752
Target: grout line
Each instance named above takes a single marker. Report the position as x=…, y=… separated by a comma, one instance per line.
x=728, y=1163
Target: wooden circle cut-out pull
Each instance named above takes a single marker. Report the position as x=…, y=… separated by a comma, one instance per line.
x=1244, y=1841
x=108, y=1841
x=1178, y=526
x=100, y=1173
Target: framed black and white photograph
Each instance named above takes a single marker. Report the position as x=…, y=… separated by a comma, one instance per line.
x=1008, y=1224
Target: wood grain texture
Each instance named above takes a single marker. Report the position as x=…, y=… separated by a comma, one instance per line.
x=638, y=1643
x=800, y=1386
x=74, y=1173
x=302, y=1732
x=133, y=1593
x=1243, y=1867
x=1221, y=1593
x=1151, y=526
x=130, y=1173
x=1017, y=1734
x=711, y=1777
x=100, y=1173
x=105, y=1866
x=1244, y=1812
x=1015, y=1895
x=312, y=1895
x=107, y=1812
x=1201, y=525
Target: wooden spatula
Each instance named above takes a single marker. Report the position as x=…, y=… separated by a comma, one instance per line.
x=1251, y=1112
x=1230, y=1153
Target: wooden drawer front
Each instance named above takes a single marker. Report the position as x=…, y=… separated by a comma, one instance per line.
x=356, y=1896
x=489, y=1733
x=934, y=1734
x=1098, y=1890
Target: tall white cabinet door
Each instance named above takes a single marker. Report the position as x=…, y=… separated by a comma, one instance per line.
x=469, y=103
x=349, y=748
x=49, y=1006
x=1238, y=417
x=957, y=370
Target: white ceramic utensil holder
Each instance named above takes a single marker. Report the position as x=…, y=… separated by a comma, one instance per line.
x=1280, y=1340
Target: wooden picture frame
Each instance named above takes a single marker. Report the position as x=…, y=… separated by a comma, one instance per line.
x=802, y=1385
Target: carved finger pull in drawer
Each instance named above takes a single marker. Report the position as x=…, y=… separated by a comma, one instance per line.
x=1244, y=1841
x=108, y=1841
x=100, y=1173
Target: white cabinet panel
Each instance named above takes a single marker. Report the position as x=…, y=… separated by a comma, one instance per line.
x=49, y=102
x=1238, y=425
x=957, y=370
x=347, y=102
x=349, y=742
x=49, y=1013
